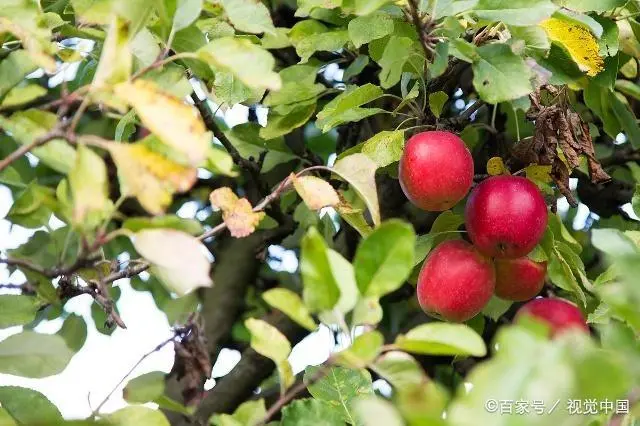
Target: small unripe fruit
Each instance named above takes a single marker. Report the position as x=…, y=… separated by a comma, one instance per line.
x=559, y=314
x=519, y=279
x=456, y=281
x=506, y=216
x=436, y=170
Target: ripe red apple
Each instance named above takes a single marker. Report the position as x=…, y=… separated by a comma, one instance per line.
x=560, y=314
x=436, y=170
x=456, y=281
x=519, y=279
x=506, y=216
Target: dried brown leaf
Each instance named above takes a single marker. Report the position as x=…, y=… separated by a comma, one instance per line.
x=237, y=213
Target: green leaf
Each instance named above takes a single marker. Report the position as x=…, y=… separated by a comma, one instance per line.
x=189, y=226
x=344, y=276
x=626, y=118
x=136, y=415
x=177, y=258
x=34, y=355
x=268, y=340
x=33, y=206
x=144, y=388
x=367, y=311
x=360, y=172
x=400, y=369
x=628, y=88
x=622, y=295
x=280, y=125
x=395, y=55
x=25, y=126
x=13, y=69
x=436, y=102
x=28, y=406
x=560, y=274
x=186, y=11
x=534, y=37
x=364, y=349
x=363, y=29
x=375, y=411
x=310, y=412
x=445, y=227
x=23, y=94
x=321, y=291
x=499, y=74
x=311, y=36
x=89, y=188
x=6, y=419
x=74, y=332
x=340, y=387
x=383, y=148
x=17, y=309
x=591, y=5
x=247, y=414
x=571, y=367
x=440, y=338
x=233, y=54
x=384, y=259
x=496, y=308
x=346, y=106
x=355, y=67
x=93, y=11
x=515, y=12
x=613, y=242
x=365, y=7
x=249, y=16
x=290, y=303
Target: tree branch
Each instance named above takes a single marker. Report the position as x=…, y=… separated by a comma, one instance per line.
x=210, y=122
x=23, y=149
x=232, y=389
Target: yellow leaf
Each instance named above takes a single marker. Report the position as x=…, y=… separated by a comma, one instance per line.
x=177, y=124
x=315, y=192
x=237, y=213
x=116, y=59
x=495, y=167
x=38, y=48
x=539, y=173
x=578, y=41
x=150, y=176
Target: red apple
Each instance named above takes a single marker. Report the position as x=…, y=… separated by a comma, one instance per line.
x=506, y=216
x=560, y=314
x=456, y=281
x=436, y=170
x=519, y=279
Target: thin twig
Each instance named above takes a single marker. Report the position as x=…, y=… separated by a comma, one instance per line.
x=209, y=121
x=177, y=333
x=421, y=27
x=280, y=188
x=23, y=149
x=294, y=391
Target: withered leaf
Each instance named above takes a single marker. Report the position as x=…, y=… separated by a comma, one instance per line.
x=237, y=213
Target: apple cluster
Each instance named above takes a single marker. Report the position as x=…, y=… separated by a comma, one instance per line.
x=505, y=218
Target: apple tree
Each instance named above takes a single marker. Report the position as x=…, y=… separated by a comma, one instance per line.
x=430, y=166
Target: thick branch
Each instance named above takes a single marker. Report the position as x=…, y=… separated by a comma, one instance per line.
x=247, y=375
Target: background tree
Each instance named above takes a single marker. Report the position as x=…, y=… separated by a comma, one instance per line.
x=538, y=88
